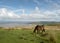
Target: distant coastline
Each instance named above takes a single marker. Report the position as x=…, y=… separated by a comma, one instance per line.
x=13, y=24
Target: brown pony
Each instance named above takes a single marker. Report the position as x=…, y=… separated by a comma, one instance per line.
x=39, y=28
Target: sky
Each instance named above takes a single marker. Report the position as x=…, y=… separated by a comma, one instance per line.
x=29, y=10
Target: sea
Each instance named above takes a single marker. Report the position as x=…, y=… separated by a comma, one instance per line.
x=13, y=24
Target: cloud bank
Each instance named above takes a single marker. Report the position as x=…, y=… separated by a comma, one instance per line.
x=36, y=14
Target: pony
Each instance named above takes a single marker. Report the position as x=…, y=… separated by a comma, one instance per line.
x=39, y=28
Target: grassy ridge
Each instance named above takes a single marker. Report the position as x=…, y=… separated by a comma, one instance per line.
x=25, y=36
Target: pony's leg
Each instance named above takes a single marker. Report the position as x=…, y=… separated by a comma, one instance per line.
x=43, y=30
x=34, y=30
x=38, y=31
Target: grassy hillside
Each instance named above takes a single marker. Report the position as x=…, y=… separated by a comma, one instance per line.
x=27, y=36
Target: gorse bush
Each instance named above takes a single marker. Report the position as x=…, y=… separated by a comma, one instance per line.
x=48, y=37
x=52, y=39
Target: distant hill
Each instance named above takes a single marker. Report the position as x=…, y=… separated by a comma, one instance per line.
x=46, y=23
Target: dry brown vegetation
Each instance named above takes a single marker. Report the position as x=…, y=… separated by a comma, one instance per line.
x=27, y=27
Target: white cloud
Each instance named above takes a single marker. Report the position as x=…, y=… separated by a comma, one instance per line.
x=37, y=2
x=5, y=13
x=46, y=15
x=36, y=14
x=50, y=4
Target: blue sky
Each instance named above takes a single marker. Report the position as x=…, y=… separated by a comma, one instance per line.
x=30, y=10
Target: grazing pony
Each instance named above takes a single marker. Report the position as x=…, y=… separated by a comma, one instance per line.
x=39, y=28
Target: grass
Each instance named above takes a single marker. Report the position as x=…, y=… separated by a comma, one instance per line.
x=17, y=36
x=27, y=36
